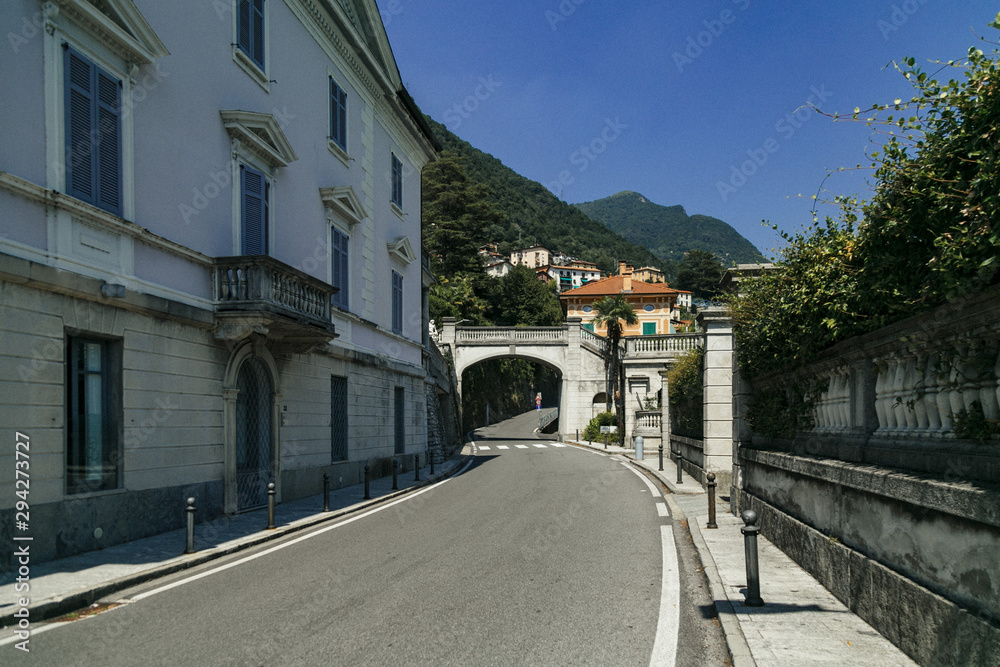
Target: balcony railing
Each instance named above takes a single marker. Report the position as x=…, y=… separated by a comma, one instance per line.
x=261, y=284
x=648, y=419
x=664, y=344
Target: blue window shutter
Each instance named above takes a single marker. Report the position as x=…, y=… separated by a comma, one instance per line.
x=341, y=269
x=79, y=122
x=109, y=175
x=256, y=191
x=257, y=15
x=397, y=181
x=243, y=23
x=397, y=303
x=338, y=114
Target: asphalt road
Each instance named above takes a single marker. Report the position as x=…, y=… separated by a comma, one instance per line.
x=533, y=556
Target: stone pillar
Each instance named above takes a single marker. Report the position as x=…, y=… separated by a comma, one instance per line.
x=718, y=401
x=571, y=417
x=665, y=414
x=448, y=333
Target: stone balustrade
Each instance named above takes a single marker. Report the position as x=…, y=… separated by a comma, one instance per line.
x=511, y=336
x=664, y=344
x=648, y=419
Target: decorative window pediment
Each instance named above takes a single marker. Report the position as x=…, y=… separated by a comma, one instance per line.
x=115, y=23
x=345, y=203
x=402, y=250
x=260, y=133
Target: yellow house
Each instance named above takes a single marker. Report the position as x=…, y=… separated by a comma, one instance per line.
x=653, y=303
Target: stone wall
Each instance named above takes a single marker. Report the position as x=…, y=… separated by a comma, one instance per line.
x=877, y=494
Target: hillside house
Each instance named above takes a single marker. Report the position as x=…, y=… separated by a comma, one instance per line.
x=654, y=304
x=534, y=257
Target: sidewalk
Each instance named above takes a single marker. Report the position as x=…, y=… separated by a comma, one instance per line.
x=68, y=584
x=801, y=622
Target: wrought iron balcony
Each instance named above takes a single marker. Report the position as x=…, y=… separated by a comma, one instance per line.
x=259, y=294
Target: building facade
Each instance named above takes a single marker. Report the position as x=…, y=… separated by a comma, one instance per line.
x=534, y=257
x=573, y=275
x=654, y=304
x=210, y=272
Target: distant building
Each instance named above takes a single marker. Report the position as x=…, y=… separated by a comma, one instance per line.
x=498, y=269
x=574, y=275
x=654, y=303
x=533, y=257
x=730, y=281
x=649, y=274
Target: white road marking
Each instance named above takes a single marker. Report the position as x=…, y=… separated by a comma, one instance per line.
x=502, y=447
x=541, y=446
x=661, y=509
x=668, y=625
x=645, y=480
x=521, y=446
x=380, y=508
x=484, y=447
x=556, y=444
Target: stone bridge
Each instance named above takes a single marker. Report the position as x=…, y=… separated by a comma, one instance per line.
x=576, y=354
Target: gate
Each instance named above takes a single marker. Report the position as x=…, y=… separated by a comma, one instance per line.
x=254, y=435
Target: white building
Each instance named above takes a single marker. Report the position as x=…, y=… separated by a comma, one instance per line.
x=498, y=269
x=534, y=257
x=209, y=258
x=574, y=275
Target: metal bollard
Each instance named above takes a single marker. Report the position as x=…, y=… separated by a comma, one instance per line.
x=679, y=478
x=270, y=505
x=750, y=531
x=605, y=441
x=711, y=500
x=326, y=492
x=368, y=495
x=577, y=435
x=189, y=548
x=395, y=474
x=416, y=467
x=660, y=448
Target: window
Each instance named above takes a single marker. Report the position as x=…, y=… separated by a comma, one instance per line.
x=397, y=303
x=397, y=181
x=338, y=418
x=338, y=115
x=250, y=30
x=93, y=410
x=588, y=309
x=93, y=133
x=399, y=419
x=589, y=326
x=649, y=328
x=340, y=269
x=256, y=195
x=648, y=308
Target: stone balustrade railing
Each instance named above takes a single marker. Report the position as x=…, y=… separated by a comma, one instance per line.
x=648, y=419
x=662, y=344
x=910, y=380
x=262, y=283
x=511, y=335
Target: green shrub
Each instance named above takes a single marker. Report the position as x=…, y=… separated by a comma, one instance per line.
x=593, y=430
x=685, y=387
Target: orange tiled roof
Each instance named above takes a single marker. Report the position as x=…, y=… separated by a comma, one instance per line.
x=613, y=285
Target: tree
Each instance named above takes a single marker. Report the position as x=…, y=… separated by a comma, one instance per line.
x=456, y=214
x=521, y=299
x=699, y=273
x=611, y=312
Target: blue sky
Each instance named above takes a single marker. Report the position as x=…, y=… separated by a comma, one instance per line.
x=687, y=102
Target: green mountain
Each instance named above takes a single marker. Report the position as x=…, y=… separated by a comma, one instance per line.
x=668, y=231
x=533, y=215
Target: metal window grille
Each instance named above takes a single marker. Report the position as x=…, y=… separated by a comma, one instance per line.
x=400, y=421
x=338, y=419
x=254, y=435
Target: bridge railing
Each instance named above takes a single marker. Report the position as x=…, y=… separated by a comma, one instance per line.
x=511, y=336
x=547, y=417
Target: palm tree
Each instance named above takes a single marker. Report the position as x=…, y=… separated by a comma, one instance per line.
x=611, y=312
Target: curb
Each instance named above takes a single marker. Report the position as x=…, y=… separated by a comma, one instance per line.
x=59, y=605
x=736, y=641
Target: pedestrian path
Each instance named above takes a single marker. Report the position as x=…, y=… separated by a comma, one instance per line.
x=801, y=622
x=60, y=586
x=490, y=448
